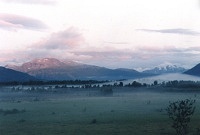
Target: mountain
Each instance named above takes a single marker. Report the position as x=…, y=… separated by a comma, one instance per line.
x=163, y=69
x=9, y=75
x=39, y=64
x=54, y=69
x=194, y=71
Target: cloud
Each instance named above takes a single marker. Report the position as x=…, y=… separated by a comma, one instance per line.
x=66, y=39
x=14, y=22
x=117, y=43
x=42, y=2
x=141, y=54
x=70, y=44
x=107, y=54
x=173, y=31
x=58, y=45
x=109, y=57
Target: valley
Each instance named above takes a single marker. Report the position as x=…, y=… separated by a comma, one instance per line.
x=59, y=97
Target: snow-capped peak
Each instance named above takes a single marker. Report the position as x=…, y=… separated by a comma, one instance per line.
x=165, y=68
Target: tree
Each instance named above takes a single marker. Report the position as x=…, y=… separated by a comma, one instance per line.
x=180, y=112
x=121, y=84
x=136, y=84
x=155, y=82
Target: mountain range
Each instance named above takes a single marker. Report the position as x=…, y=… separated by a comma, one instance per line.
x=54, y=69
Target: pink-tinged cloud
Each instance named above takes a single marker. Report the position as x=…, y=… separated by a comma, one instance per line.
x=12, y=57
x=58, y=45
x=41, y=2
x=9, y=26
x=19, y=57
x=65, y=39
x=14, y=22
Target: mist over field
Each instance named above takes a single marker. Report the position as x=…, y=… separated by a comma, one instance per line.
x=102, y=109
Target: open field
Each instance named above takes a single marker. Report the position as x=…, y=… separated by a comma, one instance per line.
x=124, y=113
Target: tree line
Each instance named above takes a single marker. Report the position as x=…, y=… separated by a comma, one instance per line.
x=71, y=82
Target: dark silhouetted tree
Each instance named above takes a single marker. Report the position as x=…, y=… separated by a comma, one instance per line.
x=180, y=112
x=121, y=84
x=155, y=82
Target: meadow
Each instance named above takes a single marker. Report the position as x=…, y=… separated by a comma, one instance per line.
x=126, y=112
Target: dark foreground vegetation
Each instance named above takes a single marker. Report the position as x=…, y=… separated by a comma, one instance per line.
x=180, y=112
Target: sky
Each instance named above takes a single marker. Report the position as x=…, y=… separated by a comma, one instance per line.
x=135, y=34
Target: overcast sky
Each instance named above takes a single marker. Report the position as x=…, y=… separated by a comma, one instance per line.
x=111, y=33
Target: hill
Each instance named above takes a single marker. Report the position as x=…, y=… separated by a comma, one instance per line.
x=9, y=75
x=194, y=71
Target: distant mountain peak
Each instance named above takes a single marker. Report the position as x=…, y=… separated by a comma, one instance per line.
x=167, y=64
x=166, y=68
x=54, y=62
x=43, y=60
x=42, y=63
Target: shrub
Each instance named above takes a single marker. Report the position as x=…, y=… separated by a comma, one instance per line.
x=180, y=112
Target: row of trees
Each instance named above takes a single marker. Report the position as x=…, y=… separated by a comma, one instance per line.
x=71, y=82
x=99, y=84
x=181, y=84
x=169, y=84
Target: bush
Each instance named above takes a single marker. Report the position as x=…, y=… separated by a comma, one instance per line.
x=180, y=112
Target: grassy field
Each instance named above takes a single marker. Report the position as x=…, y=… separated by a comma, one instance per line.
x=129, y=113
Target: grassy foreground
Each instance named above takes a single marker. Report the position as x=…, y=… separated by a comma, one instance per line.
x=134, y=113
